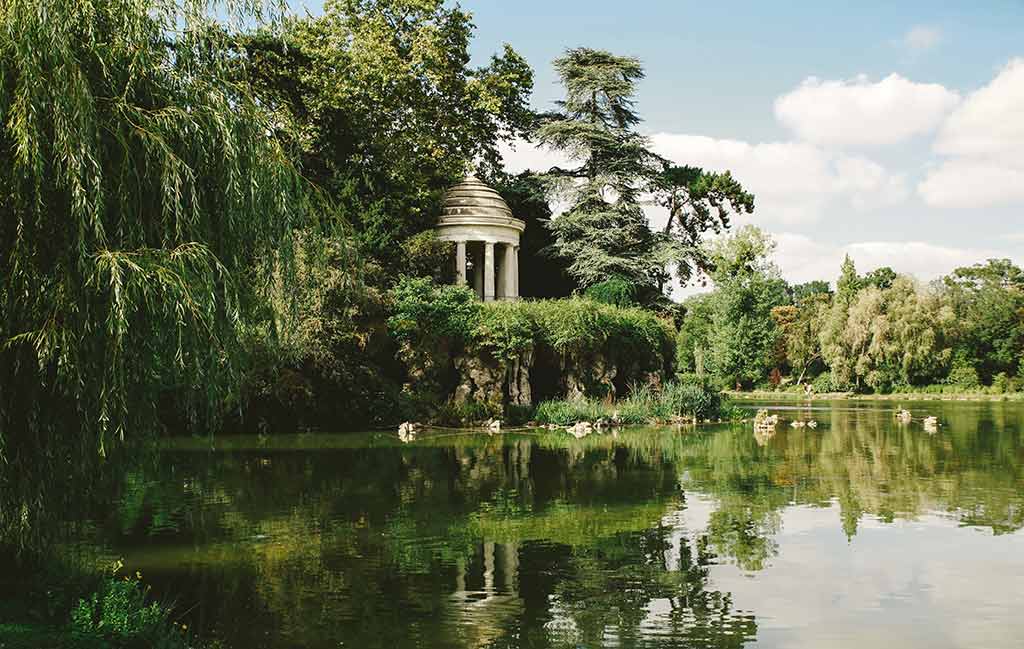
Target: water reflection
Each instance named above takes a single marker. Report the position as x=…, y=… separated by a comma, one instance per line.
x=856, y=532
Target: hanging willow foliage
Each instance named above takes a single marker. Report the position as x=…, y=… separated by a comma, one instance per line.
x=141, y=198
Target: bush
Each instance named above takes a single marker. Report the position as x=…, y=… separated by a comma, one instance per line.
x=423, y=309
x=644, y=405
x=1003, y=384
x=566, y=412
x=963, y=375
x=692, y=399
x=460, y=414
x=823, y=383
x=119, y=611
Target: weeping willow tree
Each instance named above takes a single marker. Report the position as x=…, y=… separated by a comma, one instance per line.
x=144, y=208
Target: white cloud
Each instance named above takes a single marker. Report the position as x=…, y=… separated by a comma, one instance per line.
x=990, y=122
x=985, y=137
x=921, y=38
x=972, y=183
x=793, y=182
x=861, y=113
x=803, y=259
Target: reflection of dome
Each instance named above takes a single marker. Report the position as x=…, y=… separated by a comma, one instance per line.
x=471, y=202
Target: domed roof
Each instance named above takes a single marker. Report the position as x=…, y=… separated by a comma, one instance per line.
x=472, y=199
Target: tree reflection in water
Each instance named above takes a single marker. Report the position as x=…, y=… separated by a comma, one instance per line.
x=531, y=540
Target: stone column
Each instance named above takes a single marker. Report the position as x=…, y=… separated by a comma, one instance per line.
x=478, y=271
x=500, y=287
x=460, y=263
x=515, y=272
x=509, y=268
x=489, y=271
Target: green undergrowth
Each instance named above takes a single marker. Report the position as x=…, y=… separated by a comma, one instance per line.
x=425, y=311
x=643, y=405
x=76, y=610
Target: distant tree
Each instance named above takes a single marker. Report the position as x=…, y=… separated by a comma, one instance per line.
x=747, y=286
x=694, y=334
x=801, y=335
x=784, y=317
x=849, y=281
x=900, y=336
x=834, y=348
x=697, y=202
x=989, y=302
x=604, y=232
x=880, y=278
x=808, y=289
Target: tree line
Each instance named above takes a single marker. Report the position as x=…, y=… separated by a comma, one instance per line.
x=879, y=332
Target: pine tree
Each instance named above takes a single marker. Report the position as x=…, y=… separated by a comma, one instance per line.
x=604, y=233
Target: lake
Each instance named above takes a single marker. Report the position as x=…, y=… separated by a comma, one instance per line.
x=861, y=532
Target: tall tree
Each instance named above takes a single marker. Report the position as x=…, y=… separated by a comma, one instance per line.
x=604, y=233
x=748, y=286
x=379, y=98
x=834, y=348
x=694, y=333
x=899, y=336
x=802, y=342
x=142, y=198
x=697, y=201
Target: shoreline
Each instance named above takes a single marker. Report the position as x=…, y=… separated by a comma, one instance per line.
x=852, y=396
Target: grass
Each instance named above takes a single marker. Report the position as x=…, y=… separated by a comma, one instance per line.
x=644, y=405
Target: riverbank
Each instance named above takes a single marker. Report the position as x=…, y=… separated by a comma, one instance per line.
x=853, y=396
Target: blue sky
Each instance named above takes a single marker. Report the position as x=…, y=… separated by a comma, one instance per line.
x=893, y=131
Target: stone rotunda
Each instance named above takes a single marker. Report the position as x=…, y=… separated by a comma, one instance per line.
x=486, y=237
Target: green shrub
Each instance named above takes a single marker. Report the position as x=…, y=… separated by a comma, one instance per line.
x=119, y=611
x=505, y=329
x=568, y=412
x=963, y=375
x=823, y=383
x=645, y=404
x=460, y=414
x=1003, y=384
x=423, y=309
x=691, y=399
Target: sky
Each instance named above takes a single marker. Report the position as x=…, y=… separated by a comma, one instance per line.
x=893, y=132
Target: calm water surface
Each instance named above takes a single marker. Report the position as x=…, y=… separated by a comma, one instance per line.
x=859, y=533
